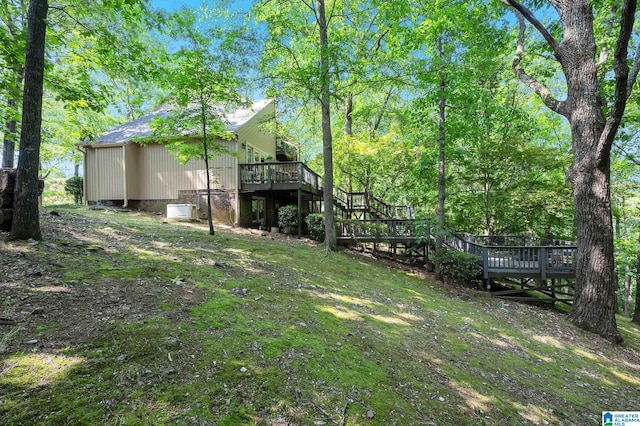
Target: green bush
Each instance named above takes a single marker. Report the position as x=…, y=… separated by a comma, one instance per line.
x=288, y=219
x=315, y=226
x=462, y=267
x=75, y=186
x=54, y=193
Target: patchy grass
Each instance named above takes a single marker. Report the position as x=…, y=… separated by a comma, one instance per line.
x=123, y=319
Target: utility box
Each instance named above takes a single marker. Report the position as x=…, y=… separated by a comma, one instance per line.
x=182, y=212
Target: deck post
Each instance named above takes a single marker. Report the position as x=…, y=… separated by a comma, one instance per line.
x=485, y=262
x=299, y=212
x=542, y=263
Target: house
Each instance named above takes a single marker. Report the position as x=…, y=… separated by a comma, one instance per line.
x=247, y=188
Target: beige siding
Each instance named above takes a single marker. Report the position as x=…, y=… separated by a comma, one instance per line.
x=162, y=176
x=253, y=135
x=132, y=154
x=105, y=177
x=152, y=173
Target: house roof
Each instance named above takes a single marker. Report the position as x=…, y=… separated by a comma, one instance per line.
x=140, y=128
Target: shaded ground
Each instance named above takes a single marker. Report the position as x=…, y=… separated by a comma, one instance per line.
x=36, y=293
x=120, y=318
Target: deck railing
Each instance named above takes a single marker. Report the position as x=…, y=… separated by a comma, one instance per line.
x=383, y=229
x=542, y=260
x=513, y=240
x=354, y=202
x=519, y=260
x=292, y=172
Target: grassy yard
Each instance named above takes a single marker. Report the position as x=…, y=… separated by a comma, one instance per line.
x=119, y=318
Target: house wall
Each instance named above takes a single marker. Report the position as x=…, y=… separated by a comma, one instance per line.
x=105, y=177
x=132, y=156
x=149, y=177
x=251, y=134
x=162, y=176
x=152, y=173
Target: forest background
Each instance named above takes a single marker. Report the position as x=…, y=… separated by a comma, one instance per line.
x=414, y=85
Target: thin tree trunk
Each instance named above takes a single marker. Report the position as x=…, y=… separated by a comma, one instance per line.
x=26, y=221
x=439, y=273
x=636, y=312
x=348, y=112
x=205, y=142
x=627, y=292
x=11, y=127
x=9, y=144
x=9, y=140
x=330, y=239
x=348, y=131
x=488, y=225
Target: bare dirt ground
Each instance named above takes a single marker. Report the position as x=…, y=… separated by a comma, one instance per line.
x=34, y=295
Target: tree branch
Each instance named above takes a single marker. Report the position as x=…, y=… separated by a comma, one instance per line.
x=528, y=15
x=633, y=75
x=539, y=88
x=622, y=82
x=627, y=154
x=378, y=119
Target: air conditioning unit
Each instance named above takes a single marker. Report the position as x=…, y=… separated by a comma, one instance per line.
x=182, y=211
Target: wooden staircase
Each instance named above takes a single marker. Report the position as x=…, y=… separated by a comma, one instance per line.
x=364, y=206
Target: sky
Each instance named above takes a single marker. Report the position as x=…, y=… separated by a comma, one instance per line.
x=170, y=5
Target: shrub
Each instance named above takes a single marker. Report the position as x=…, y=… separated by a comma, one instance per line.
x=315, y=226
x=288, y=219
x=462, y=267
x=75, y=186
x=54, y=193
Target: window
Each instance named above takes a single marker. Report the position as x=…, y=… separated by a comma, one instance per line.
x=254, y=155
x=258, y=210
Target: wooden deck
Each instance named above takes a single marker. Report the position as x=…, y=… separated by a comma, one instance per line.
x=377, y=230
x=364, y=206
x=280, y=176
x=527, y=265
x=520, y=266
x=517, y=261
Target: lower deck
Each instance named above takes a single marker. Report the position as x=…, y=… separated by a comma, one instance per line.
x=524, y=271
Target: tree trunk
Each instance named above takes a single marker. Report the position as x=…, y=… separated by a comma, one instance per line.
x=595, y=303
x=592, y=135
x=330, y=239
x=636, y=312
x=627, y=291
x=439, y=273
x=348, y=114
x=488, y=223
x=348, y=131
x=206, y=163
x=9, y=141
x=11, y=126
x=26, y=222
